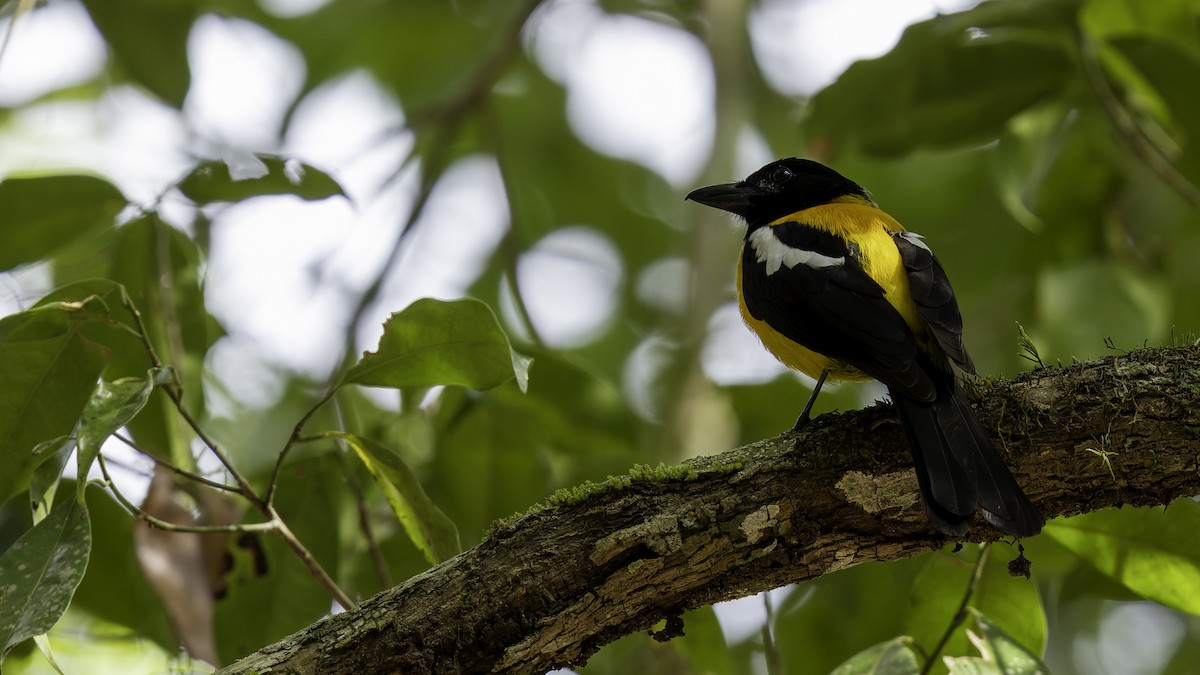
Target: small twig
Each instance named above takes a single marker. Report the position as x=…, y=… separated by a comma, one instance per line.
x=960, y=615
x=292, y=440
x=310, y=561
x=275, y=522
x=443, y=119
x=175, y=392
x=182, y=473
x=139, y=513
x=1123, y=121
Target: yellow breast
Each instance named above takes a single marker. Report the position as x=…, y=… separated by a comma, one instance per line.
x=871, y=231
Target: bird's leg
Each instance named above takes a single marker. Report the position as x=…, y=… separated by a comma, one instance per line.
x=804, y=418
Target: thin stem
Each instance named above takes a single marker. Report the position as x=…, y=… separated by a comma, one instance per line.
x=960, y=614
x=275, y=522
x=140, y=514
x=291, y=442
x=1123, y=121
x=310, y=561
x=183, y=473
x=444, y=120
x=244, y=486
x=175, y=392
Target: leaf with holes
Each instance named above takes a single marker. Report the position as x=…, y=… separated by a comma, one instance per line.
x=217, y=181
x=112, y=405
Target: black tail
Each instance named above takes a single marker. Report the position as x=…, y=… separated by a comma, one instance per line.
x=959, y=469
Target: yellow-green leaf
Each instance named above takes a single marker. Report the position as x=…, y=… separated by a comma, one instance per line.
x=430, y=530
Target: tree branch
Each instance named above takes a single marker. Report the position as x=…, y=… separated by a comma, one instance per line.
x=551, y=588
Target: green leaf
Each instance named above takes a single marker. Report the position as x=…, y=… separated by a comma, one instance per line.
x=938, y=590
x=111, y=407
x=434, y=342
x=1151, y=551
x=999, y=654
x=48, y=371
x=487, y=465
x=428, y=528
x=114, y=588
x=149, y=39
x=39, y=573
x=1172, y=71
x=213, y=181
x=894, y=657
x=945, y=84
x=42, y=213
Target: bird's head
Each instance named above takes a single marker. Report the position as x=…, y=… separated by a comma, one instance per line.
x=780, y=188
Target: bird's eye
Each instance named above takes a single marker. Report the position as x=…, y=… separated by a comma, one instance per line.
x=781, y=175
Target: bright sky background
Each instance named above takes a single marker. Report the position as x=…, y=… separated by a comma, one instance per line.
x=280, y=269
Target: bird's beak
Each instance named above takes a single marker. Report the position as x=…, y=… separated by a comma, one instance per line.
x=731, y=197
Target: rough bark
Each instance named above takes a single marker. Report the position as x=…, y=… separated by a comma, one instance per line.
x=551, y=588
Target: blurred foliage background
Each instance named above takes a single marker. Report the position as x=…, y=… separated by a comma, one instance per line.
x=1047, y=150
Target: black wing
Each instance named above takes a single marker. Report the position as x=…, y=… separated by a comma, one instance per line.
x=934, y=298
x=835, y=310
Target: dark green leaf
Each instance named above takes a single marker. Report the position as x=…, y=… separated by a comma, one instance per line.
x=40, y=572
x=42, y=214
x=434, y=342
x=942, y=86
x=894, y=657
x=1173, y=72
x=48, y=370
x=1151, y=551
x=430, y=530
x=114, y=588
x=149, y=38
x=111, y=407
x=212, y=181
x=487, y=466
x=1170, y=20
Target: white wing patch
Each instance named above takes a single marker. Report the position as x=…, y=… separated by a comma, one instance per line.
x=914, y=239
x=774, y=253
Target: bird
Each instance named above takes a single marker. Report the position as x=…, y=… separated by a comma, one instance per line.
x=837, y=289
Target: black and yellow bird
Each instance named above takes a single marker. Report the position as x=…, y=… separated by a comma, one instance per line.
x=837, y=289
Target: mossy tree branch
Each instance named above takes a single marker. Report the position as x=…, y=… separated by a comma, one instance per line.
x=551, y=588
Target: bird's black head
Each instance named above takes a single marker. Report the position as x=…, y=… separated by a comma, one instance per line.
x=779, y=188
